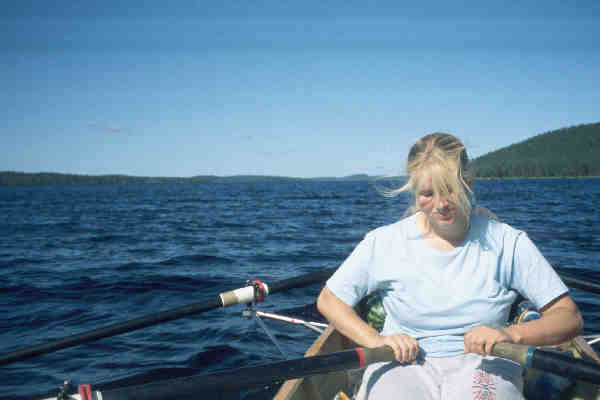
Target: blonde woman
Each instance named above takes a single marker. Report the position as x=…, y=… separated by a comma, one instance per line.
x=448, y=275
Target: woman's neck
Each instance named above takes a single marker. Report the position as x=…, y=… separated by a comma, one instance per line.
x=443, y=239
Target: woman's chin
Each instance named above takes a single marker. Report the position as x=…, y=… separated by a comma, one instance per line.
x=444, y=220
x=451, y=228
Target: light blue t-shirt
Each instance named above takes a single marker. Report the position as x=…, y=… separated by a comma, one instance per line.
x=437, y=297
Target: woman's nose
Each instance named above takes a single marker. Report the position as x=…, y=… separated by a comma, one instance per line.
x=441, y=202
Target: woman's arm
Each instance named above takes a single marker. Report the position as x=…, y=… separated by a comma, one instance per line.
x=347, y=321
x=560, y=321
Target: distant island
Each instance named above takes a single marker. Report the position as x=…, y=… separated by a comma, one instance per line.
x=13, y=178
x=566, y=152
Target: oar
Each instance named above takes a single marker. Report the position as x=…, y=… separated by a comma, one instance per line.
x=550, y=361
x=242, y=295
x=236, y=296
x=577, y=283
x=242, y=378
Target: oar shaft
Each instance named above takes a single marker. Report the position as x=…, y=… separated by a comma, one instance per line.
x=301, y=281
x=564, y=365
x=238, y=379
x=107, y=331
x=197, y=308
x=549, y=361
x=577, y=283
x=224, y=299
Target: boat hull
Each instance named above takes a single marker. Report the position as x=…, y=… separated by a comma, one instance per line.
x=320, y=386
x=325, y=387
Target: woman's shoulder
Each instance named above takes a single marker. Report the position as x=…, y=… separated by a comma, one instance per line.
x=488, y=224
x=485, y=212
x=493, y=236
x=401, y=227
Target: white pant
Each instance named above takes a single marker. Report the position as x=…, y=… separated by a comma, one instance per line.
x=466, y=376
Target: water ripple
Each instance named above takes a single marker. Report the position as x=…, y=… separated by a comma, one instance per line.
x=75, y=258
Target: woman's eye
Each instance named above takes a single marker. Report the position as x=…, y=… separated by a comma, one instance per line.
x=427, y=194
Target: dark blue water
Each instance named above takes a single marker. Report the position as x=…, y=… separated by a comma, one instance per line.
x=75, y=258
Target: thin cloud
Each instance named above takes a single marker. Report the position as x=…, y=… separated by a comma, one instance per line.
x=112, y=128
x=106, y=127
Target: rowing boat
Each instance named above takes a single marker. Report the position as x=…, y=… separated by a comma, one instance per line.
x=327, y=387
x=332, y=367
x=333, y=364
x=338, y=385
x=320, y=386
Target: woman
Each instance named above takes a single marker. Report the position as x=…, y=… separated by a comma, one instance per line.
x=448, y=277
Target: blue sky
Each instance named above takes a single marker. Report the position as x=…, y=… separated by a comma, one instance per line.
x=288, y=88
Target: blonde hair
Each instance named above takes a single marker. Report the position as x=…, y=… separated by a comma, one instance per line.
x=443, y=158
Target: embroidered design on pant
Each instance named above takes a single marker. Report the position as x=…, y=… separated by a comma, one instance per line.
x=484, y=387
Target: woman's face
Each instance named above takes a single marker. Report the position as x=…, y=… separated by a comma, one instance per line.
x=436, y=207
x=442, y=212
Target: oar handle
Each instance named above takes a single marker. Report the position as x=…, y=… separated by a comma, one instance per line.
x=378, y=354
x=550, y=361
x=518, y=353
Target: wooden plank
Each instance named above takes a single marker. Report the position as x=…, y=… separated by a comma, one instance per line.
x=311, y=388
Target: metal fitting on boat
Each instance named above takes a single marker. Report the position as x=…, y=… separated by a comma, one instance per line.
x=64, y=390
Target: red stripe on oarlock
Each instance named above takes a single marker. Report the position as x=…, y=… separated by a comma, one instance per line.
x=85, y=391
x=361, y=356
x=260, y=289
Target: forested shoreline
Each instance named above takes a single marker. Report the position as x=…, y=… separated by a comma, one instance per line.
x=12, y=178
x=49, y=178
x=565, y=152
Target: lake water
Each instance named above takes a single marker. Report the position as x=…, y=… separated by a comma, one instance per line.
x=76, y=258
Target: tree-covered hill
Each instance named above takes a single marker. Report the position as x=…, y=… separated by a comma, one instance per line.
x=573, y=151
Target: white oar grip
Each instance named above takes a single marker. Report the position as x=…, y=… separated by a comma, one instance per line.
x=96, y=395
x=241, y=295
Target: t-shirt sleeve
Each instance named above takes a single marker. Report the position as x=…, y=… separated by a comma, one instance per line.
x=533, y=277
x=350, y=283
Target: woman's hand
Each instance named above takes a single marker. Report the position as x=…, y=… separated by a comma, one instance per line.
x=481, y=339
x=345, y=320
x=405, y=347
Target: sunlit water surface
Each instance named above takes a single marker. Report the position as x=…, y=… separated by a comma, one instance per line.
x=76, y=258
